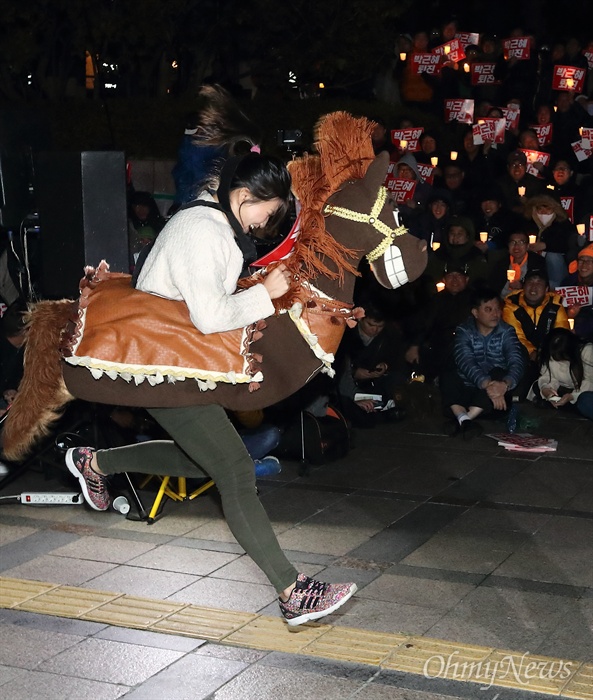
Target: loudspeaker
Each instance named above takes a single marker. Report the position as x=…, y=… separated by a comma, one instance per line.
x=82, y=214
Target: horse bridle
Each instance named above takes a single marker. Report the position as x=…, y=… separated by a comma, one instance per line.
x=372, y=219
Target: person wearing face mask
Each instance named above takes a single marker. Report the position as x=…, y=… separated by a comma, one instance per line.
x=556, y=236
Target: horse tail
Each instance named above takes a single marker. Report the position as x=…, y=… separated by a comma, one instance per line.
x=42, y=393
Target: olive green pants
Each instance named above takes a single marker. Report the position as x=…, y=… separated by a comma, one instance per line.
x=204, y=436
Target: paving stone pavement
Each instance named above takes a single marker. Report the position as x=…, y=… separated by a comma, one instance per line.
x=452, y=540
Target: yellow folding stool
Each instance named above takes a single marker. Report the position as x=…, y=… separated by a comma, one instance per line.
x=166, y=489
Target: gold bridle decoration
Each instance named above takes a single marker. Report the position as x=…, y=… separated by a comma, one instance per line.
x=372, y=219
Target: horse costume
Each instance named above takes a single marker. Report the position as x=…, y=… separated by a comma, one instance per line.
x=121, y=346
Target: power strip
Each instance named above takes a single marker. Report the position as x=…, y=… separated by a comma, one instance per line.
x=35, y=499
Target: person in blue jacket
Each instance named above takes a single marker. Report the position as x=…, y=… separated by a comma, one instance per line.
x=488, y=365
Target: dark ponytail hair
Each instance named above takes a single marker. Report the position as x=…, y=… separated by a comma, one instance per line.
x=562, y=345
x=220, y=122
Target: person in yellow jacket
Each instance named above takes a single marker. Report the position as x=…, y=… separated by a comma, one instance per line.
x=533, y=312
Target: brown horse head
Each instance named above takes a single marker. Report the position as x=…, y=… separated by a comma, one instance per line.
x=341, y=193
x=362, y=215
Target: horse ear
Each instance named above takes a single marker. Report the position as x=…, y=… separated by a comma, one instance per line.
x=377, y=171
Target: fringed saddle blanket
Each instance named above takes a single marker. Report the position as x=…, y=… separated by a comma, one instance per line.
x=122, y=332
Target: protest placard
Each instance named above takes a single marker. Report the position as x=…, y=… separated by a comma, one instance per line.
x=411, y=137
x=451, y=51
x=568, y=206
x=586, y=136
x=482, y=73
x=426, y=172
x=568, y=78
x=544, y=133
x=457, y=109
x=575, y=294
x=489, y=129
x=468, y=38
x=517, y=47
x=512, y=115
x=401, y=190
x=535, y=157
x=428, y=63
x=580, y=152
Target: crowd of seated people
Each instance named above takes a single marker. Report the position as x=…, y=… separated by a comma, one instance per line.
x=504, y=231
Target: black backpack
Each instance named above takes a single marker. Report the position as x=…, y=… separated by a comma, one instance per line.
x=316, y=440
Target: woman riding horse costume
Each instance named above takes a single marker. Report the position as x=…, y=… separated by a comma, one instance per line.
x=111, y=346
x=122, y=346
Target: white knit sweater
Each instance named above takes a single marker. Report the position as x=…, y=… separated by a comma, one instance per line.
x=195, y=258
x=558, y=374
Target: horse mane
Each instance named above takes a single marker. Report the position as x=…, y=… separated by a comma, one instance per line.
x=345, y=151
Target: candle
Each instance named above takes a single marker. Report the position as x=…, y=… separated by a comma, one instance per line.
x=521, y=191
x=580, y=130
x=484, y=236
x=402, y=56
x=555, y=108
x=466, y=67
x=434, y=161
x=571, y=323
x=532, y=239
x=581, y=229
x=453, y=155
x=447, y=50
x=436, y=246
x=569, y=83
x=403, y=144
x=440, y=286
x=511, y=275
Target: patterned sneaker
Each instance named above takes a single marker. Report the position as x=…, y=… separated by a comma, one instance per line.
x=313, y=599
x=93, y=485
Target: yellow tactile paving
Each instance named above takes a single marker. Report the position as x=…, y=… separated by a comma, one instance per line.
x=130, y=611
x=205, y=623
x=435, y=658
x=67, y=601
x=432, y=658
x=360, y=646
x=537, y=674
x=272, y=633
x=14, y=591
x=581, y=685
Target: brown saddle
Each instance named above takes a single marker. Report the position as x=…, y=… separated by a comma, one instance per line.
x=123, y=332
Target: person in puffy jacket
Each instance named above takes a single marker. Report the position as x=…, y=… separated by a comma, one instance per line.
x=489, y=364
